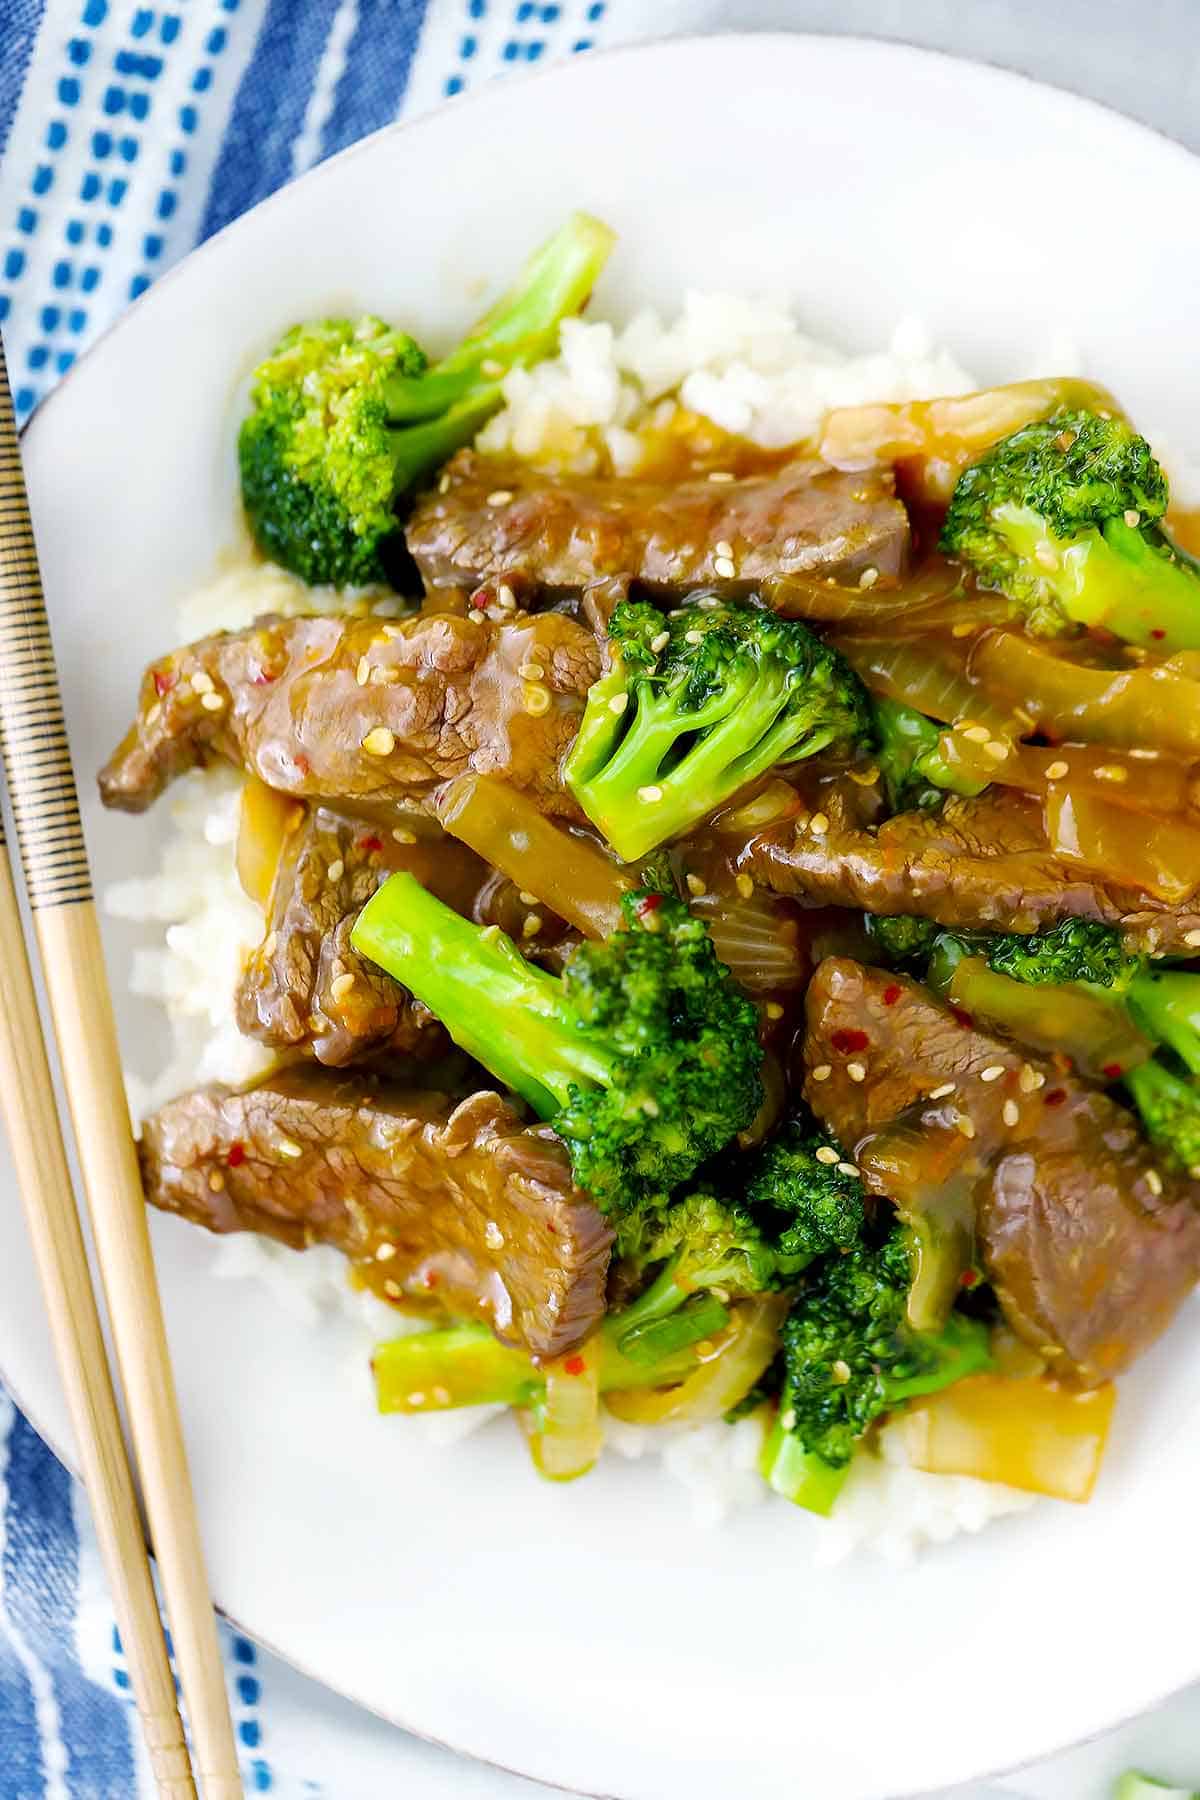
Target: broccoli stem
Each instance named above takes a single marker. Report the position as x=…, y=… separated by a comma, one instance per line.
x=521, y=327
x=1167, y=1007
x=509, y=1015
x=416, y=449
x=1113, y=577
x=800, y=1475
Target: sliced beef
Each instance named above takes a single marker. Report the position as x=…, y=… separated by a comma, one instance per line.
x=374, y=715
x=306, y=987
x=433, y=1199
x=977, y=863
x=500, y=520
x=1090, y=1247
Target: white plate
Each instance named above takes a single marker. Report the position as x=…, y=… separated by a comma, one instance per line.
x=592, y=1636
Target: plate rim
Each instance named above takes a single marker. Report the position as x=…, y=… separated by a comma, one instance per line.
x=660, y=44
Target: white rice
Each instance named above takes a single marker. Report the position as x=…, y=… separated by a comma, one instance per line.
x=747, y=366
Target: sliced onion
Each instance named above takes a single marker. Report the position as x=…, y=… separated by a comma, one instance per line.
x=932, y=676
x=1160, y=856
x=771, y=805
x=728, y=1370
x=565, y=1434
x=1029, y=1434
x=266, y=818
x=758, y=938
x=1155, y=706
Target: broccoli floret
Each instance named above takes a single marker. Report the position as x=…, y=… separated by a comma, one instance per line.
x=1063, y=518
x=695, y=705
x=850, y=1355
x=916, y=775
x=902, y=939
x=643, y=1053
x=805, y=1195
x=346, y=416
x=1074, y=950
x=1169, y=1107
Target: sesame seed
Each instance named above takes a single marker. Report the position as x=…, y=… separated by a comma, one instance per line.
x=847, y=1168
x=363, y=672
x=491, y=368
x=441, y=1395
x=1046, y=555
x=286, y=1147
x=402, y=836
x=964, y=1126
x=722, y=548
x=723, y=566
x=499, y=497
x=993, y=1072
x=1112, y=772
x=1030, y=1080
x=721, y=475
x=493, y=1237
x=211, y=702
x=865, y=777
x=819, y=824
x=216, y=1181
x=392, y=1290
x=826, y=1154
x=1192, y=939
x=856, y=1071
x=337, y=869
x=475, y=616
x=536, y=699
x=505, y=598
x=341, y=985
x=155, y=713
x=202, y=682
x=414, y=1399
x=788, y=1419
x=943, y=1092
x=868, y=578
x=1133, y=518
x=444, y=485
x=693, y=637
x=650, y=794
x=822, y=1072
x=385, y=1252
x=650, y=1107
x=840, y=1371
x=697, y=885
x=745, y=886
x=976, y=734
x=963, y=629
x=1011, y=1113
x=379, y=741
x=1056, y=770
x=709, y=602
x=489, y=934
x=532, y=925
x=996, y=749
x=526, y=898
x=1154, y=1181
x=658, y=644
x=531, y=671
x=774, y=1010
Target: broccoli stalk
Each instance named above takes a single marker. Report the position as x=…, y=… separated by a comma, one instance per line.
x=346, y=416
x=915, y=772
x=642, y=1053
x=1063, y=518
x=697, y=704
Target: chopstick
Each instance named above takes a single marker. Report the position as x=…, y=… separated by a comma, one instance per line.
x=27, y=1101
x=41, y=785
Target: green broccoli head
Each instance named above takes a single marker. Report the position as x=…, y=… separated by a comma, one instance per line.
x=1169, y=1107
x=902, y=940
x=808, y=1199
x=695, y=705
x=1073, y=950
x=315, y=451
x=1062, y=517
x=709, y=1241
x=916, y=775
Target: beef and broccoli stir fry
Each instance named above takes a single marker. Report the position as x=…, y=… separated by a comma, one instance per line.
x=727, y=931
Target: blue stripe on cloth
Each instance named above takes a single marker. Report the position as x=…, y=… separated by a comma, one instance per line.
x=21, y=1776
x=269, y=109
x=379, y=58
x=19, y=21
x=41, y=1574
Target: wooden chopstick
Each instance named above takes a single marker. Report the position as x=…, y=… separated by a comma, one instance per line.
x=27, y=1101
x=41, y=785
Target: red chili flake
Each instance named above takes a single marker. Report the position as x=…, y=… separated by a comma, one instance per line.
x=553, y=1229
x=370, y=843
x=1055, y=1097
x=163, y=683
x=1114, y=1071
x=482, y=598
x=648, y=904
x=891, y=994
x=968, y=1279
x=574, y=1365
x=1156, y=632
x=1062, y=1062
x=301, y=764
x=429, y=1278
x=847, y=1042
x=963, y=1018
x=237, y=1155
x=265, y=676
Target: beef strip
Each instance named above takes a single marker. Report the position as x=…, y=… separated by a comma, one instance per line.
x=434, y=1199
x=374, y=715
x=306, y=987
x=1090, y=1248
x=500, y=520
x=977, y=863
